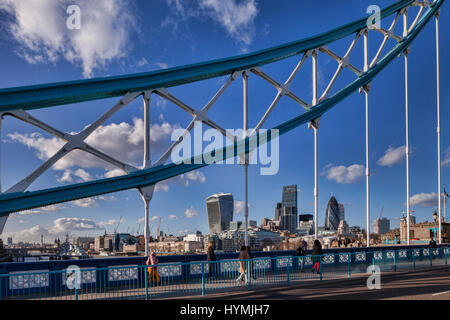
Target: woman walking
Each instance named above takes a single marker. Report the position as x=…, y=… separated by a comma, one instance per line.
x=244, y=256
x=316, y=252
x=210, y=256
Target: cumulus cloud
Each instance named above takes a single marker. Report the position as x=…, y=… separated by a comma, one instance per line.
x=235, y=17
x=239, y=206
x=92, y=201
x=191, y=212
x=173, y=217
x=46, y=209
x=446, y=161
x=343, y=174
x=60, y=228
x=122, y=141
x=424, y=199
x=392, y=156
x=39, y=28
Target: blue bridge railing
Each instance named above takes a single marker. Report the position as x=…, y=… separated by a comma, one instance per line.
x=138, y=281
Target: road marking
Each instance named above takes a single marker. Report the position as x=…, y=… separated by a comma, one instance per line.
x=436, y=294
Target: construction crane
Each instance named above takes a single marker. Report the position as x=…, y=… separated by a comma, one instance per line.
x=120, y=220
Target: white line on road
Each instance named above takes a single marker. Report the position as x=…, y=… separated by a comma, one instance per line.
x=436, y=294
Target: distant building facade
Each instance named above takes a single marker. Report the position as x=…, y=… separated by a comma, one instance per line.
x=381, y=226
x=286, y=212
x=220, y=212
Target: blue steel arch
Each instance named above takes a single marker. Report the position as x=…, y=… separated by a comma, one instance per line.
x=48, y=95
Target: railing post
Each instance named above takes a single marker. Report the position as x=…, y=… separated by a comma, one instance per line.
x=288, y=268
x=348, y=265
x=203, y=278
x=395, y=260
x=146, y=283
x=445, y=252
x=320, y=267
x=249, y=275
x=76, y=293
x=414, y=258
x=431, y=257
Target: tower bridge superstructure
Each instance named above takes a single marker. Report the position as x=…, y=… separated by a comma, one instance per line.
x=16, y=102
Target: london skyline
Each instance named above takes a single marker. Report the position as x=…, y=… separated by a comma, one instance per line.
x=182, y=37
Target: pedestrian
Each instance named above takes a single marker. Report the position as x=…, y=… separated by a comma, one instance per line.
x=301, y=252
x=432, y=243
x=243, y=257
x=252, y=264
x=210, y=256
x=153, y=276
x=316, y=252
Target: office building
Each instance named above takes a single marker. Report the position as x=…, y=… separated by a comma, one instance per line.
x=333, y=214
x=306, y=224
x=220, y=212
x=286, y=212
x=278, y=212
x=288, y=220
x=381, y=226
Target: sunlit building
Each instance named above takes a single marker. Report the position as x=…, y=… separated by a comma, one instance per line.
x=220, y=212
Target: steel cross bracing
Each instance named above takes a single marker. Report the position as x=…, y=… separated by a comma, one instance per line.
x=15, y=199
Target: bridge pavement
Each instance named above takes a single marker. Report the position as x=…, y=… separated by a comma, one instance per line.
x=426, y=284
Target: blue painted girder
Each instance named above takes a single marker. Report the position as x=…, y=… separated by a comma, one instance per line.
x=22, y=201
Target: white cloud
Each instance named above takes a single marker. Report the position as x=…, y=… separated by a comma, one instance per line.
x=424, y=199
x=392, y=156
x=239, y=206
x=122, y=141
x=162, y=65
x=63, y=225
x=342, y=174
x=92, y=201
x=236, y=17
x=85, y=203
x=446, y=161
x=39, y=28
x=191, y=212
x=82, y=174
x=173, y=217
x=50, y=208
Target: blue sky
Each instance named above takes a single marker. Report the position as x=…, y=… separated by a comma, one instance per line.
x=123, y=37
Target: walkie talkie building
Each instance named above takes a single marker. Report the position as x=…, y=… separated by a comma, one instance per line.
x=220, y=212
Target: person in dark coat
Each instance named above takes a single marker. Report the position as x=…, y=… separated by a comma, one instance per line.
x=210, y=256
x=316, y=252
x=301, y=252
x=432, y=244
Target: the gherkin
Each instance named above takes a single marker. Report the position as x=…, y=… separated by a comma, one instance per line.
x=332, y=215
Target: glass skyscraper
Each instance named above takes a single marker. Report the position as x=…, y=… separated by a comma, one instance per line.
x=289, y=198
x=220, y=212
x=286, y=211
x=333, y=214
